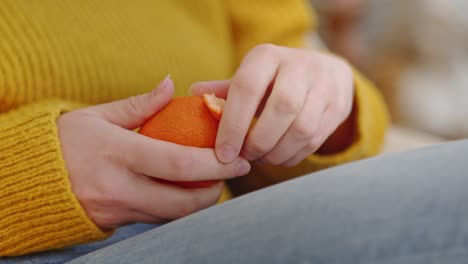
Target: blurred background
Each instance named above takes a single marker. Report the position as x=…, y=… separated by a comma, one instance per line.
x=415, y=51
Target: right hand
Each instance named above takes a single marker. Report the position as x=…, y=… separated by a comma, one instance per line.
x=110, y=166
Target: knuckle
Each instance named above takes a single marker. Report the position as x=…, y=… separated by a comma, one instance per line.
x=341, y=106
x=235, y=131
x=321, y=92
x=313, y=144
x=343, y=65
x=343, y=69
x=335, y=110
x=340, y=111
x=266, y=49
x=287, y=104
x=332, y=59
x=258, y=148
x=245, y=84
x=182, y=167
x=303, y=129
x=134, y=105
x=344, y=110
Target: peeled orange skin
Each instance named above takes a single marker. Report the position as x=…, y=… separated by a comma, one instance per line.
x=215, y=105
x=185, y=121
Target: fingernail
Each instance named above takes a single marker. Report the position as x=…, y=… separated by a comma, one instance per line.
x=243, y=167
x=192, y=87
x=163, y=83
x=227, y=153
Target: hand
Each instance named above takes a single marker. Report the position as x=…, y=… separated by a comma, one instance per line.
x=109, y=165
x=300, y=97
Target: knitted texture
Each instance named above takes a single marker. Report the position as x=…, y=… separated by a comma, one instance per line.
x=98, y=51
x=37, y=207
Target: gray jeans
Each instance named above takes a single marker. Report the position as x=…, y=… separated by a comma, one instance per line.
x=404, y=208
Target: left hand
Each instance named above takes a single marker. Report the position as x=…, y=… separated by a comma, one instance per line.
x=300, y=97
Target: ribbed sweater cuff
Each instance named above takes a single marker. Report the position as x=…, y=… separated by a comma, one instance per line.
x=38, y=210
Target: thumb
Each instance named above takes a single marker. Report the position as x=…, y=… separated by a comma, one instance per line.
x=219, y=88
x=132, y=112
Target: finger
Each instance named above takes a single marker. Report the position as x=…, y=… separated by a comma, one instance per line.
x=132, y=112
x=334, y=115
x=248, y=87
x=219, y=88
x=174, y=162
x=128, y=217
x=139, y=217
x=168, y=201
x=302, y=129
x=298, y=158
x=283, y=106
x=326, y=128
x=115, y=215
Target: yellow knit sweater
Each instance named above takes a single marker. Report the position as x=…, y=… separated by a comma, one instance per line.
x=57, y=54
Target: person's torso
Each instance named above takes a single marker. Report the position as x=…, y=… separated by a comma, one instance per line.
x=98, y=51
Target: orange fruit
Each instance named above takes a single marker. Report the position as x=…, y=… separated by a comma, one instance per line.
x=189, y=121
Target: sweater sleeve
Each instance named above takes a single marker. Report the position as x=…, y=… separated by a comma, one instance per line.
x=38, y=210
x=286, y=23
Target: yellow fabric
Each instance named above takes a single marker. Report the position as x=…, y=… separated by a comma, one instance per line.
x=54, y=52
x=37, y=207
